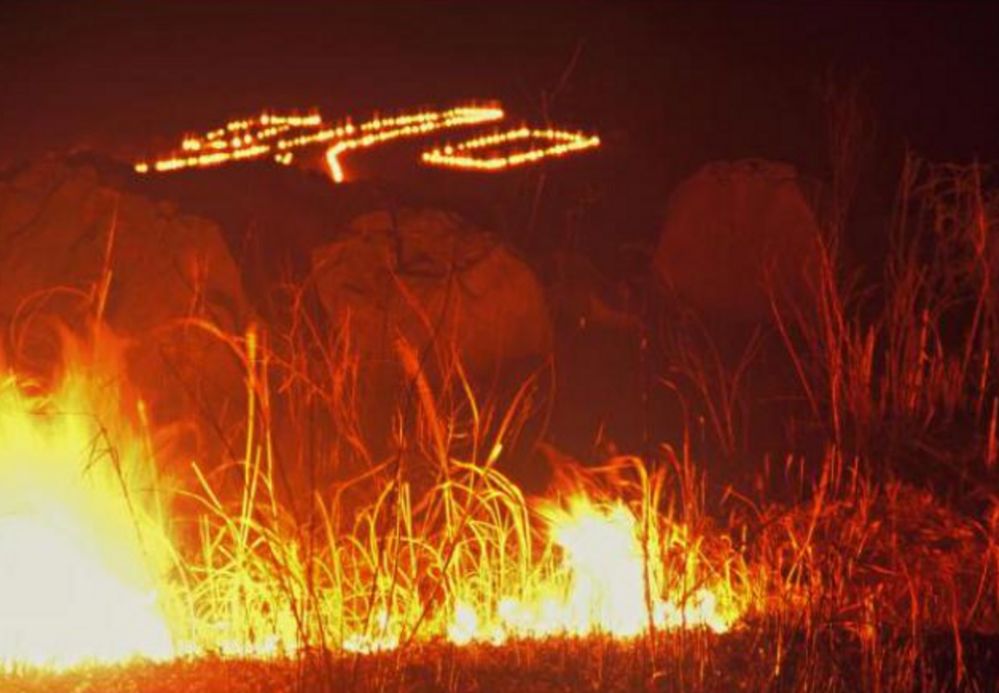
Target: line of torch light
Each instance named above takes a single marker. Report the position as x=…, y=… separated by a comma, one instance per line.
x=278, y=135
x=462, y=156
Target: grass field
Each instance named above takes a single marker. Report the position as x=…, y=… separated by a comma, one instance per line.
x=872, y=566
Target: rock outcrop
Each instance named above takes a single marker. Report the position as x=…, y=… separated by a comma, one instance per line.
x=436, y=281
x=732, y=233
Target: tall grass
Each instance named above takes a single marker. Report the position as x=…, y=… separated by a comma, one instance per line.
x=323, y=544
x=385, y=557
x=908, y=362
x=332, y=544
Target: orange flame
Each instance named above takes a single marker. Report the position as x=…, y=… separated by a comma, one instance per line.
x=86, y=554
x=79, y=547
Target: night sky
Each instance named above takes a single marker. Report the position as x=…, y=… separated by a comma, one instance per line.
x=677, y=84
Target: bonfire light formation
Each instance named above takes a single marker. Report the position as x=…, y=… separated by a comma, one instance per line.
x=278, y=135
x=463, y=154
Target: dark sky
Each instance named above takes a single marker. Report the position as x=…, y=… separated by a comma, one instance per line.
x=677, y=84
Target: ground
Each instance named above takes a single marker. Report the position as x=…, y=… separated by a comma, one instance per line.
x=742, y=660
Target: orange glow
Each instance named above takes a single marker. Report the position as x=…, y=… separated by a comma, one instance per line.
x=80, y=558
x=380, y=130
x=89, y=555
x=275, y=135
x=598, y=586
x=461, y=155
x=253, y=138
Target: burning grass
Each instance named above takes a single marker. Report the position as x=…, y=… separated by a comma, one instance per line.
x=604, y=569
x=428, y=568
x=466, y=559
x=80, y=536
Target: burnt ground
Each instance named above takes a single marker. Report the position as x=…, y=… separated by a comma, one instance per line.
x=743, y=660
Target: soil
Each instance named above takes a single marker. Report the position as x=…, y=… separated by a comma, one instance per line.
x=745, y=659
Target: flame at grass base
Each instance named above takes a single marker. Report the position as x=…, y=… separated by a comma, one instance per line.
x=76, y=544
x=606, y=582
x=88, y=573
x=62, y=606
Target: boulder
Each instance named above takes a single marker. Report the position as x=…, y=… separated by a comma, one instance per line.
x=435, y=280
x=423, y=290
x=733, y=231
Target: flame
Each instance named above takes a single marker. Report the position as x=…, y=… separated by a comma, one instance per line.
x=62, y=605
x=600, y=586
x=381, y=130
x=606, y=563
x=275, y=135
x=461, y=155
x=76, y=578
x=86, y=556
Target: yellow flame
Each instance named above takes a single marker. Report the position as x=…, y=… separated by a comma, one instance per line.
x=606, y=563
x=76, y=558
x=83, y=555
x=600, y=586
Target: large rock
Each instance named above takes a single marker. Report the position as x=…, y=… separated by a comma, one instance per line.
x=430, y=280
x=731, y=231
x=73, y=249
x=430, y=276
x=272, y=217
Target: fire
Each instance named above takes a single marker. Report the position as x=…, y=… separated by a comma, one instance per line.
x=275, y=136
x=90, y=573
x=607, y=567
x=461, y=155
x=380, y=130
x=77, y=578
x=62, y=605
x=599, y=586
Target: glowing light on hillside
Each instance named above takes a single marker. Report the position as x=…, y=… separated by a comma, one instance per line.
x=465, y=155
x=249, y=138
x=275, y=136
x=77, y=575
x=381, y=130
